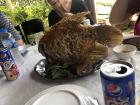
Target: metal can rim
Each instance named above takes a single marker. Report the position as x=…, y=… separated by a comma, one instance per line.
x=117, y=62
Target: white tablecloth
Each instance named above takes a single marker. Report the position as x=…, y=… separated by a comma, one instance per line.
x=19, y=91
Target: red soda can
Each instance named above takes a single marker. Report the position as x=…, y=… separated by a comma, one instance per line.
x=8, y=64
x=118, y=83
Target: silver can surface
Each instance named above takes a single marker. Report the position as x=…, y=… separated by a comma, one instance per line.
x=118, y=83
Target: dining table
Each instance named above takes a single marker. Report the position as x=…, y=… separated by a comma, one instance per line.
x=29, y=83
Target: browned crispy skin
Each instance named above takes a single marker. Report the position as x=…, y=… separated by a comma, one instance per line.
x=67, y=40
x=67, y=45
x=71, y=42
x=107, y=35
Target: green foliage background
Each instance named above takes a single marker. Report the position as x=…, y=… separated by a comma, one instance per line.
x=30, y=9
x=26, y=10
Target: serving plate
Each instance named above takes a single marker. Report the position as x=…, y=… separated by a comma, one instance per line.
x=62, y=95
x=133, y=40
x=42, y=69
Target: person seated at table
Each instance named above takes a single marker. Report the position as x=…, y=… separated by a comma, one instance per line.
x=123, y=10
x=60, y=7
x=5, y=22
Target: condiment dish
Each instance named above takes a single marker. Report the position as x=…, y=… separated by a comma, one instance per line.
x=124, y=51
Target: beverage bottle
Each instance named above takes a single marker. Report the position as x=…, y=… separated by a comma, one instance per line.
x=9, y=42
x=7, y=62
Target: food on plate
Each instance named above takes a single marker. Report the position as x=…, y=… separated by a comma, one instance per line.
x=133, y=41
x=73, y=43
x=107, y=35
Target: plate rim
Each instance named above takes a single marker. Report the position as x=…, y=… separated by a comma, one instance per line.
x=66, y=91
x=94, y=69
x=128, y=37
x=68, y=87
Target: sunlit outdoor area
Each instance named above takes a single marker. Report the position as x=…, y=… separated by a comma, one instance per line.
x=69, y=52
x=19, y=11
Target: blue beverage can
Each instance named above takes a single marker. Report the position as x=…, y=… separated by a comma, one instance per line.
x=8, y=64
x=118, y=83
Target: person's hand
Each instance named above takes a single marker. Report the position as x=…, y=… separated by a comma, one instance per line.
x=68, y=14
x=19, y=42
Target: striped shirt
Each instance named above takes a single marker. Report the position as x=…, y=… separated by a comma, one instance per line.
x=5, y=23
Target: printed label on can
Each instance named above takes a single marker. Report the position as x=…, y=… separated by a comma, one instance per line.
x=8, y=65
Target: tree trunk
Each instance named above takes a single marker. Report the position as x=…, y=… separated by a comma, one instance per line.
x=10, y=5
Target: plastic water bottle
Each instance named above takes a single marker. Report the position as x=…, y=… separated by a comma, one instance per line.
x=9, y=42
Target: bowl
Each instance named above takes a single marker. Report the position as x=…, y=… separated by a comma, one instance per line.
x=124, y=51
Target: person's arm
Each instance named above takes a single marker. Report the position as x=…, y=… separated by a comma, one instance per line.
x=91, y=7
x=19, y=42
x=5, y=22
x=15, y=34
x=119, y=12
x=62, y=7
